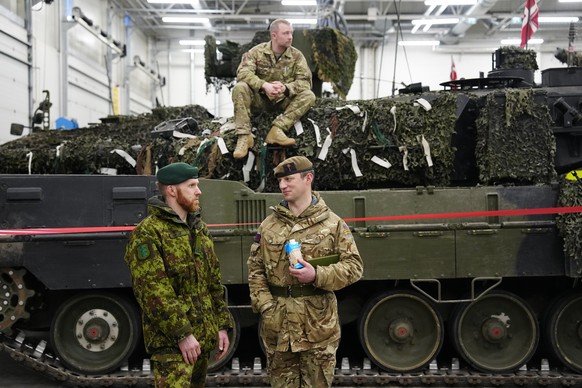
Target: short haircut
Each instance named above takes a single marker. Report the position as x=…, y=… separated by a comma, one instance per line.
x=275, y=24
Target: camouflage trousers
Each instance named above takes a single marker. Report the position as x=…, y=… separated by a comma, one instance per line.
x=176, y=374
x=246, y=102
x=311, y=368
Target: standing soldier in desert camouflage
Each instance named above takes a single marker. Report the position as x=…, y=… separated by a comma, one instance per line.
x=299, y=312
x=176, y=281
x=272, y=76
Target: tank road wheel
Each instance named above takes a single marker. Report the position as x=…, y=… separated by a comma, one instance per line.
x=95, y=333
x=401, y=331
x=233, y=337
x=496, y=333
x=13, y=297
x=564, y=330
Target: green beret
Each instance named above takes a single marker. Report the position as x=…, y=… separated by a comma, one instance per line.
x=176, y=173
x=293, y=165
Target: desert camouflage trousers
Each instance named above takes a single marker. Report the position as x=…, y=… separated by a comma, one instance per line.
x=311, y=368
x=176, y=374
x=246, y=102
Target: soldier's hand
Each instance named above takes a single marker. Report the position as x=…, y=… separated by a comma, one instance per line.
x=305, y=274
x=223, y=344
x=190, y=349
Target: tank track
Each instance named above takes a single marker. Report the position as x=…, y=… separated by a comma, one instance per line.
x=34, y=355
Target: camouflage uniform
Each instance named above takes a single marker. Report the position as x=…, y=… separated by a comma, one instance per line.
x=301, y=334
x=176, y=281
x=258, y=66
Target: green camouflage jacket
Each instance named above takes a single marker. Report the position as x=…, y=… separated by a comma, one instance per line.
x=176, y=281
x=259, y=65
x=301, y=323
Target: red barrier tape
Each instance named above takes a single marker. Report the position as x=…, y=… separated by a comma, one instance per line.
x=490, y=213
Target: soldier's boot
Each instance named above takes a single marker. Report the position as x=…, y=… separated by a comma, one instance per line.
x=277, y=136
x=243, y=144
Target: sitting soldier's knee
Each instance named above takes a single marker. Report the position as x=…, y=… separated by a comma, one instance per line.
x=241, y=88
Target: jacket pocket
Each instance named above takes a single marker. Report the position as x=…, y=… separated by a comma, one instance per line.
x=321, y=318
x=271, y=322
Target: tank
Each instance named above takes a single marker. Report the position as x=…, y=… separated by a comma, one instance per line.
x=465, y=283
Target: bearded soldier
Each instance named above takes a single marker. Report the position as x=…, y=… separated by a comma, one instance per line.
x=176, y=281
x=272, y=76
x=300, y=324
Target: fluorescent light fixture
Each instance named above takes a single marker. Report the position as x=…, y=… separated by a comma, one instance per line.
x=194, y=42
x=450, y=2
x=419, y=43
x=435, y=21
x=558, y=19
x=193, y=2
x=191, y=19
x=515, y=42
x=195, y=51
x=302, y=21
x=570, y=1
x=311, y=3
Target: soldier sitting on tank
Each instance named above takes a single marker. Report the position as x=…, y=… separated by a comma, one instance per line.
x=272, y=76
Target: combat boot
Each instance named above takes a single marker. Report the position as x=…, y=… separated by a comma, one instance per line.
x=277, y=136
x=243, y=144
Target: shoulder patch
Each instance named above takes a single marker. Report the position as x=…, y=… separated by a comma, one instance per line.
x=144, y=251
x=258, y=238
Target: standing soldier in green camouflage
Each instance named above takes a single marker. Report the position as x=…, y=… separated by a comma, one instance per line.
x=176, y=281
x=272, y=76
x=300, y=324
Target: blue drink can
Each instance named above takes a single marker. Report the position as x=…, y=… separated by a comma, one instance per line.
x=293, y=251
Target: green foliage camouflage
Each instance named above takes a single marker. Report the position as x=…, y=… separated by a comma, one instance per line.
x=515, y=142
x=513, y=57
x=570, y=224
x=335, y=56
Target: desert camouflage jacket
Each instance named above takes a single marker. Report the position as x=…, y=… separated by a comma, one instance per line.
x=259, y=65
x=176, y=281
x=301, y=323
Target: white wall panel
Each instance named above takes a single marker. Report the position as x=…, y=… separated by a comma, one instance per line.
x=13, y=77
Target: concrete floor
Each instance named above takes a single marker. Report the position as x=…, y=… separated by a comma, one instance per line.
x=14, y=375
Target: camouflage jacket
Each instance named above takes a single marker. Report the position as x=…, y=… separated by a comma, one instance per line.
x=301, y=323
x=259, y=65
x=176, y=281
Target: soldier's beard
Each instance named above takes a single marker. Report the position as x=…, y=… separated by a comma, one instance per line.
x=188, y=204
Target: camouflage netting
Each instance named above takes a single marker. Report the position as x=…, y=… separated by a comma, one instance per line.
x=371, y=131
x=515, y=142
x=570, y=224
x=333, y=54
x=517, y=58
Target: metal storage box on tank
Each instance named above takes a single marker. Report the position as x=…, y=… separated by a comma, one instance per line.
x=566, y=76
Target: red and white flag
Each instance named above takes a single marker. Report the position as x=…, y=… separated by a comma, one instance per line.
x=529, y=24
x=453, y=74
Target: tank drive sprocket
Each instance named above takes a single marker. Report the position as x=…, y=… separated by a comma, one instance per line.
x=13, y=298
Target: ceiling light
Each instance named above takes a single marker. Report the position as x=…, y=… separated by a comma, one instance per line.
x=435, y=21
x=193, y=2
x=419, y=43
x=558, y=19
x=192, y=19
x=195, y=42
x=302, y=21
x=570, y=1
x=515, y=42
x=195, y=51
x=311, y=3
x=450, y=2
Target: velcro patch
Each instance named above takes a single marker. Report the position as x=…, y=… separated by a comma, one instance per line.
x=144, y=251
x=258, y=238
